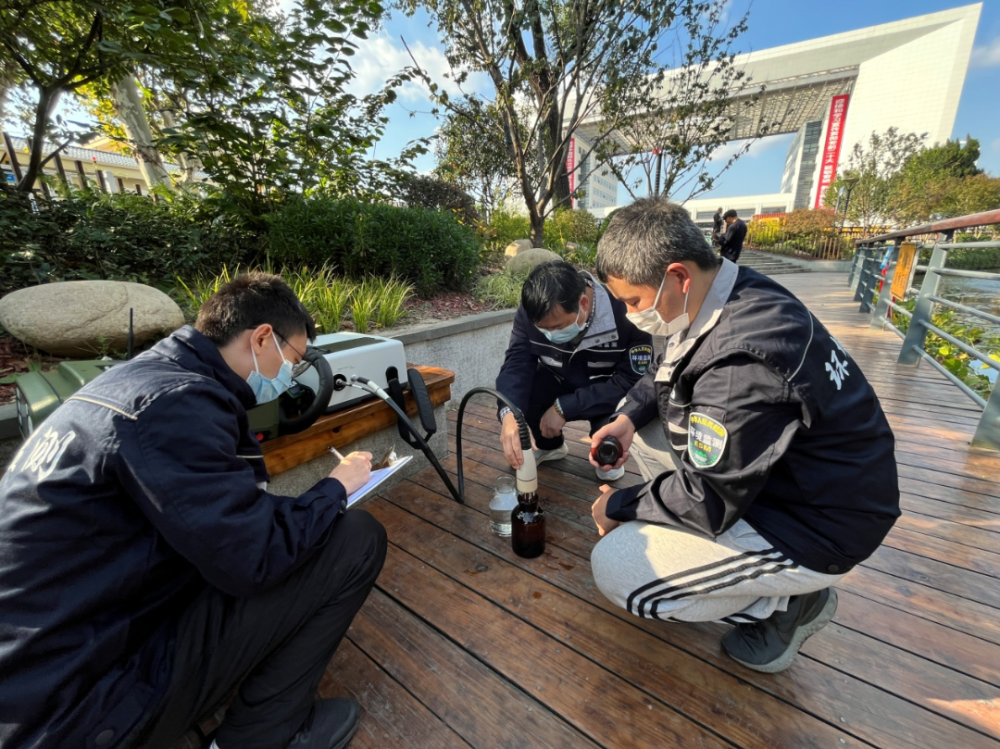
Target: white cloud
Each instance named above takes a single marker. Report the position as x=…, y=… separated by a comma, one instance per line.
x=986, y=56
x=758, y=147
x=379, y=58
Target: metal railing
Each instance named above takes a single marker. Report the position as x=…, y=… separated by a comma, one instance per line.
x=829, y=245
x=866, y=273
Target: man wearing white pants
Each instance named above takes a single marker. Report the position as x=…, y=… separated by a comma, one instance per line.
x=769, y=471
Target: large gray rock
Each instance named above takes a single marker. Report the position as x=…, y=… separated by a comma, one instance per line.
x=522, y=263
x=516, y=247
x=87, y=318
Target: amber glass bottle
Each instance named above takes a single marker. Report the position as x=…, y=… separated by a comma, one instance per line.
x=527, y=526
x=608, y=451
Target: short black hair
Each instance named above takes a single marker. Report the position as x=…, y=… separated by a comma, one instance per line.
x=549, y=284
x=730, y=214
x=644, y=238
x=249, y=301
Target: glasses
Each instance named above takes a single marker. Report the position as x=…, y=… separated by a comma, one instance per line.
x=303, y=365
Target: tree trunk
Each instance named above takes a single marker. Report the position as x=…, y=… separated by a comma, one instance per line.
x=537, y=229
x=128, y=106
x=47, y=100
x=189, y=164
x=6, y=84
x=553, y=124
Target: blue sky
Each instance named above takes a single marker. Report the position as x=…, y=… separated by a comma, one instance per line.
x=772, y=23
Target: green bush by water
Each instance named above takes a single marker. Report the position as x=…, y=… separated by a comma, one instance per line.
x=969, y=370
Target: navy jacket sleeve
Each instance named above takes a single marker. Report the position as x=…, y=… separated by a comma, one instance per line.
x=204, y=499
x=760, y=414
x=519, y=364
x=604, y=396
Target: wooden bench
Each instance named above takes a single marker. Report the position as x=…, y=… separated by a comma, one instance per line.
x=353, y=423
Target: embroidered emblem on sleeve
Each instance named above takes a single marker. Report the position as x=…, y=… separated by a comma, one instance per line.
x=707, y=440
x=640, y=357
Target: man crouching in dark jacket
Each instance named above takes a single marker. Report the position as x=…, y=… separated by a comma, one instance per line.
x=572, y=355
x=769, y=462
x=146, y=572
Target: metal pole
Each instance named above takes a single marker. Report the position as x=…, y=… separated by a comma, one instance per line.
x=917, y=333
x=864, y=280
x=852, y=279
x=988, y=432
x=882, y=308
x=873, y=278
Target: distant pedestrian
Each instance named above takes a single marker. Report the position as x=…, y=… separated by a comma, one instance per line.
x=731, y=243
x=717, y=224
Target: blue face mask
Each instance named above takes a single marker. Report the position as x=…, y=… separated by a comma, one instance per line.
x=564, y=335
x=265, y=389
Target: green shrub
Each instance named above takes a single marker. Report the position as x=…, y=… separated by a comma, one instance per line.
x=125, y=237
x=427, y=248
x=574, y=225
x=504, y=227
x=429, y=192
x=500, y=290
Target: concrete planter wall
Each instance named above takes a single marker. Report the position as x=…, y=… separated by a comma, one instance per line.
x=472, y=347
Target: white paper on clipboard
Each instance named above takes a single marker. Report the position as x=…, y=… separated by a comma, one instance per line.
x=377, y=478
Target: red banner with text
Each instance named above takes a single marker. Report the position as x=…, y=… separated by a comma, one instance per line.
x=570, y=166
x=831, y=151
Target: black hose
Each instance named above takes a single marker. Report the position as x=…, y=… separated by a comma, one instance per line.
x=371, y=387
x=457, y=494
x=522, y=427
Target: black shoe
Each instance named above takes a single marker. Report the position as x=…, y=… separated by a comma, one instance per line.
x=331, y=725
x=770, y=645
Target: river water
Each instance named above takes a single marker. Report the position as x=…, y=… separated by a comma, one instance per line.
x=980, y=294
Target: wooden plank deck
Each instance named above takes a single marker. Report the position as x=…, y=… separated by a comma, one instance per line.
x=464, y=644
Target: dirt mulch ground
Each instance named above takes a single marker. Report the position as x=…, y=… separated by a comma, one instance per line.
x=16, y=358
x=443, y=307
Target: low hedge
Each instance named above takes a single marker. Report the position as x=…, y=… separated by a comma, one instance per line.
x=88, y=235
x=428, y=248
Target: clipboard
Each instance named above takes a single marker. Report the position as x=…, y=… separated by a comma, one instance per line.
x=377, y=477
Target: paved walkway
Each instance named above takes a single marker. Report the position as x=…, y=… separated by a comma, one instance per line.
x=463, y=644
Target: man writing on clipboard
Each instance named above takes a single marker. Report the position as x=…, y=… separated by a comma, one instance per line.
x=147, y=572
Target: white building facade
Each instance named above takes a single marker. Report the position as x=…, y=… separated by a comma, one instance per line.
x=835, y=91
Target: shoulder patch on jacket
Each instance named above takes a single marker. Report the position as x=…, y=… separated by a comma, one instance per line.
x=640, y=357
x=707, y=440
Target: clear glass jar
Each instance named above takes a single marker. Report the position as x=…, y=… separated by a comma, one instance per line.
x=502, y=503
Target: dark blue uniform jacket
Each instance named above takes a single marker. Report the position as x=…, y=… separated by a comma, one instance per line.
x=771, y=421
x=597, y=370
x=141, y=490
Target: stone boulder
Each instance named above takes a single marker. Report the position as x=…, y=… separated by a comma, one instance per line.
x=524, y=262
x=516, y=247
x=87, y=318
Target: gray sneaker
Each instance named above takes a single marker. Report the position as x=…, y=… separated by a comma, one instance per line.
x=611, y=475
x=770, y=645
x=556, y=453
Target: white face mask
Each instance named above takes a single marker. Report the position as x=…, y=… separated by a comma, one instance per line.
x=650, y=321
